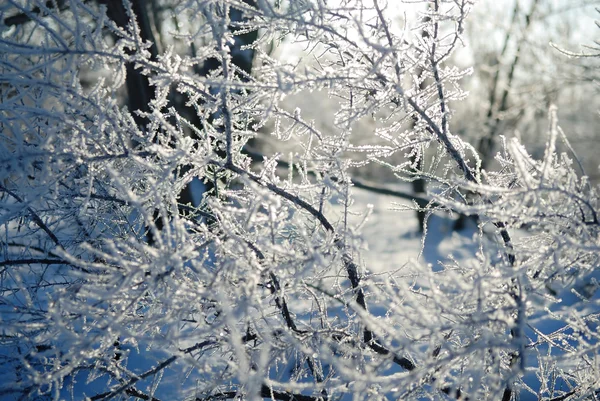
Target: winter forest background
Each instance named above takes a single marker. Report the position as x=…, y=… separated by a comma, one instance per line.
x=299, y=200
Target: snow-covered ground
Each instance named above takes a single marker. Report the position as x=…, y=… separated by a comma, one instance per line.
x=391, y=234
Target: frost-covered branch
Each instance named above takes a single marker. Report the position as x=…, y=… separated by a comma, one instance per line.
x=270, y=279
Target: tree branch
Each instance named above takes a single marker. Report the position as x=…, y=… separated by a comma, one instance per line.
x=26, y=16
x=34, y=216
x=111, y=394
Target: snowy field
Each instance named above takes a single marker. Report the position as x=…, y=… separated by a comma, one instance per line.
x=391, y=234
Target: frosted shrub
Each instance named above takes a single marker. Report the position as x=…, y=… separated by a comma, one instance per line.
x=113, y=287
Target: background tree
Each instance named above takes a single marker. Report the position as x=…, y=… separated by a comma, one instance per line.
x=517, y=78
x=262, y=292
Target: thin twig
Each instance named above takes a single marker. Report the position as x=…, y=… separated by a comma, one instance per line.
x=34, y=216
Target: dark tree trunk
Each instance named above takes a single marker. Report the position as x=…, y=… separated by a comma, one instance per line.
x=140, y=92
x=243, y=60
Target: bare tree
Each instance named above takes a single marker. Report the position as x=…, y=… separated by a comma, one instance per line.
x=262, y=292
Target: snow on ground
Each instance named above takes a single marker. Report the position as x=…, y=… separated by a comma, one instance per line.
x=392, y=239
